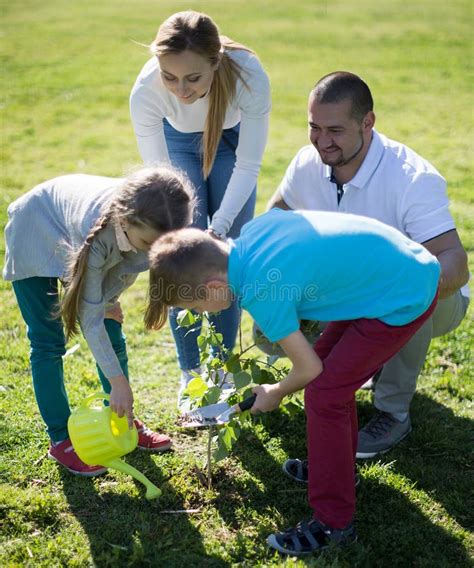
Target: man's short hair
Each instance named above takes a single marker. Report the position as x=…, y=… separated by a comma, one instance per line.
x=342, y=85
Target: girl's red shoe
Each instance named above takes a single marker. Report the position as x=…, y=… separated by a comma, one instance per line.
x=149, y=440
x=65, y=455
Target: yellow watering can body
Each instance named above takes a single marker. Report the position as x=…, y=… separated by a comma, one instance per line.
x=100, y=437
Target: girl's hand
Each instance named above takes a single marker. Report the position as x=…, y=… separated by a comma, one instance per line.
x=121, y=398
x=268, y=398
x=115, y=313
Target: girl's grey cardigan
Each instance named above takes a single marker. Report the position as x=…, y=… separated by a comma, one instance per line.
x=53, y=220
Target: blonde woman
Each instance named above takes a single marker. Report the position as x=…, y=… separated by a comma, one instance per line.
x=202, y=102
x=92, y=233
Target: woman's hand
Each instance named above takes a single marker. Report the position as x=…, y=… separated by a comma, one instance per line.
x=215, y=235
x=115, y=313
x=121, y=398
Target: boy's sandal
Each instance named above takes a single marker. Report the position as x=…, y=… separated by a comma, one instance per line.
x=297, y=470
x=307, y=538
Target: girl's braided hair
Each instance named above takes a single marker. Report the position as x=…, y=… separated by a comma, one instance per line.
x=161, y=198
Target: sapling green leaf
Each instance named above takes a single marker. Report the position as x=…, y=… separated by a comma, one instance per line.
x=228, y=436
x=214, y=363
x=242, y=379
x=222, y=444
x=186, y=318
x=196, y=388
x=204, y=356
x=233, y=364
x=293, y=406
x=245, y=418
x=220, y=452
x=266, y=377
x=248, y=392
x=255, y=371
x=245, y=371
x=212, y=395
x=214, y=339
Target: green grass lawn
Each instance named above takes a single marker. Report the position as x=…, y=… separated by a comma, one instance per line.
x=68, y=67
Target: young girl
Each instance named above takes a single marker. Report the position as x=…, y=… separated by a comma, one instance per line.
x=202, y=102
x=92, y=233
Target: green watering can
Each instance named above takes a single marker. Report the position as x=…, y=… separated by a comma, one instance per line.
x=100, y=437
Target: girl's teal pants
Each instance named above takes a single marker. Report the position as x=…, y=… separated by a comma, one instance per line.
x=37, y=298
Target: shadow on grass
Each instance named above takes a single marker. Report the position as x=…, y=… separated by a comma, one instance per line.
x=397, y=533
x=246, y=502
x=132, y=531
x=438, y=456
x=393, y=529
x=259, y=489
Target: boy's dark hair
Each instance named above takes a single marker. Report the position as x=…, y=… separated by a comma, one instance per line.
x=342, y=85
x=181, y=263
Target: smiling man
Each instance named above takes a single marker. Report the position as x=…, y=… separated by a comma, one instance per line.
x=350, y=167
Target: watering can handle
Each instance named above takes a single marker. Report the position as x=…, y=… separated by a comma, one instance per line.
x=97, y=395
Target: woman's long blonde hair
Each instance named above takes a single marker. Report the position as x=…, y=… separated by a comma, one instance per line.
x=158, y=197
x=198, y=33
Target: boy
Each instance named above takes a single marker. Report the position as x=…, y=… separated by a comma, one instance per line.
x=372, y=283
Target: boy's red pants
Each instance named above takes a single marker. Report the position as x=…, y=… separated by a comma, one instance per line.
x=351, y=352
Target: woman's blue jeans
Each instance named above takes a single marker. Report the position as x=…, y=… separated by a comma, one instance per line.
x=185, y=153
x=37, y=298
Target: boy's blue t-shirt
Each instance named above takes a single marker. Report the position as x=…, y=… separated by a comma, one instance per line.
x=293, y=265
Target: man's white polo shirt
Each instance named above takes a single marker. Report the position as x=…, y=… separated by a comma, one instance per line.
x=394, y=185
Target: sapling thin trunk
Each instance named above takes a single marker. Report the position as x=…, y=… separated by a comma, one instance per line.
x=209, y=457
x=217, y=363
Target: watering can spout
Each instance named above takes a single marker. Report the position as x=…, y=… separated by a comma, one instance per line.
x=100, y=437
x=152, y=491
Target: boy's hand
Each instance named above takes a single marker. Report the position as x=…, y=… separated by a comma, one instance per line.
x=306, y=367
x=121, y=398
x=268, y=398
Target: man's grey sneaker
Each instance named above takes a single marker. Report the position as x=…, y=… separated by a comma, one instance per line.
x=298, y=471
x=381, y=434
x=310, y=537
